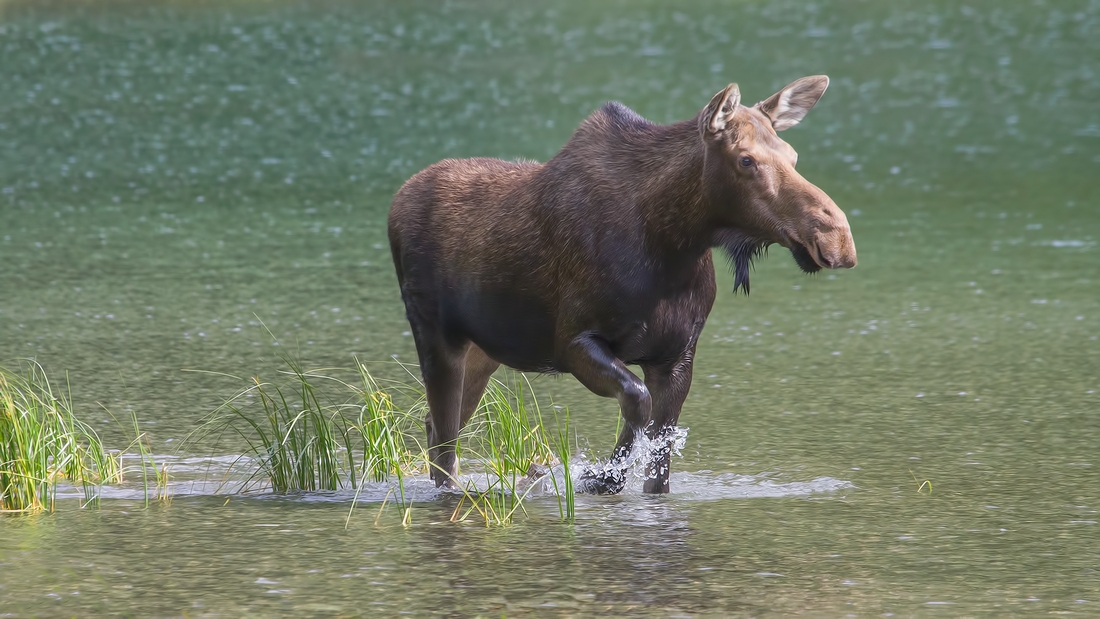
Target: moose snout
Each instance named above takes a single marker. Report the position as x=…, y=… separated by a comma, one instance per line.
x=835, y=249
x=820, y=228
x=830, y=242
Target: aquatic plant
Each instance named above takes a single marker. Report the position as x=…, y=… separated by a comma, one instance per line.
x=364, y=429
x=312, y=430
x=921, y=485
x=388, y=435
x=146, y=461
x=508, y=437
x=386, y=432
x=42, y=442
x=566, y=492
x=296, y=441
x=507, y=429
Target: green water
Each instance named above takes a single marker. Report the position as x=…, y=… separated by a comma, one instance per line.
x=174, y=174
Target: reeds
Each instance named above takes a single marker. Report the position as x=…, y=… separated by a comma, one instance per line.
x=566, y=492
x=306, y=431
x=386, y=432
x=507, y=439
x=146, y=461
x=313, y=430
x=42, y=442
x=298, y=443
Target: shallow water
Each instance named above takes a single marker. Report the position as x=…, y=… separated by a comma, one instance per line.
x=175, y=174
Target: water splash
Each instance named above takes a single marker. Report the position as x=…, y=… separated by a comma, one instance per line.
x=630, y=471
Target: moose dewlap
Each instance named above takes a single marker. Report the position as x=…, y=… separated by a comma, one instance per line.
x=601, y=258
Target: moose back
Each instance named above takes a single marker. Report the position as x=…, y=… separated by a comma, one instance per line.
x=601, y=258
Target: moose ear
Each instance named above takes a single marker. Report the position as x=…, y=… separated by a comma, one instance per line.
x=789, y=105
x=720, y=109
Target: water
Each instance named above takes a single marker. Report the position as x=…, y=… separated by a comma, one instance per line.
x=175, y=174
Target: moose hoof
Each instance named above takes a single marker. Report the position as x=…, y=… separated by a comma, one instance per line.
x=605, y=481
x=536, y=472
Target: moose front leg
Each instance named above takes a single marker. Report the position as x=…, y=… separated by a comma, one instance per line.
x=591, y=361
x=669, y=385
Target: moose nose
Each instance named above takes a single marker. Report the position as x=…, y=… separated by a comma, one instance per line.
x=832, y=241
x=847, y=259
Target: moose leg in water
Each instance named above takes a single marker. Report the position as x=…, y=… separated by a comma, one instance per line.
x=669, y=386
x=442, y=367
x=591, y=361
x=454, y=384
x=443, y=373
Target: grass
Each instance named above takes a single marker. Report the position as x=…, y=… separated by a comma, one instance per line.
x=921, y=485
x=388, y=435
x=508, y=439
x=382, y=431
x=305, y=438
x=43, y=442
x=314, y=430
x=305, y=431
x=147, y=462
x=295, y=439
x=567, y=507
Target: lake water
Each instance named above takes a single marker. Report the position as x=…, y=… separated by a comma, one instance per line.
x=174, y=174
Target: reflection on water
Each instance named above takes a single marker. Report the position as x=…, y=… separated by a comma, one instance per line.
x=175, y=177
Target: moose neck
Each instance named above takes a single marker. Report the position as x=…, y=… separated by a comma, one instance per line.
x=670, y=192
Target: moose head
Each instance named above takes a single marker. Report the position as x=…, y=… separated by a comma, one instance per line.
x=754, y=190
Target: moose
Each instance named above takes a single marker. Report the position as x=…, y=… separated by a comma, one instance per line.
x=601, y=258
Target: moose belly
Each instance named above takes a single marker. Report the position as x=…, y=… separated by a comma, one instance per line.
x=512, y=327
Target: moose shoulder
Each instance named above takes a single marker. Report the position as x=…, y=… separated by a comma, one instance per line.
x=601, y=258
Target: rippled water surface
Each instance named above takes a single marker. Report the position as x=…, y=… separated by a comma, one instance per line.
x=174, y=174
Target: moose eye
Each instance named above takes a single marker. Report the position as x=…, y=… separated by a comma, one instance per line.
x=746, y=162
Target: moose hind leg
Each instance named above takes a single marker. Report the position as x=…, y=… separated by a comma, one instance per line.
x=454, y=385
x=591, y=361
x=442, y=367
x=443, y=375
x=479, y=369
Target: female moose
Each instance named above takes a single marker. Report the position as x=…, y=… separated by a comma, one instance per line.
x=601, y=258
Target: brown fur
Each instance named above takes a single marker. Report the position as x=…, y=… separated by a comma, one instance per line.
x=600, y=258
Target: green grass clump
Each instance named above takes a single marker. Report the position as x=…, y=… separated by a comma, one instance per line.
x=509, y=439
x=312, y=430
x=567, y=507
x=146, y=462
x=42, y=442
x=386, y=433
x=298, y=443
